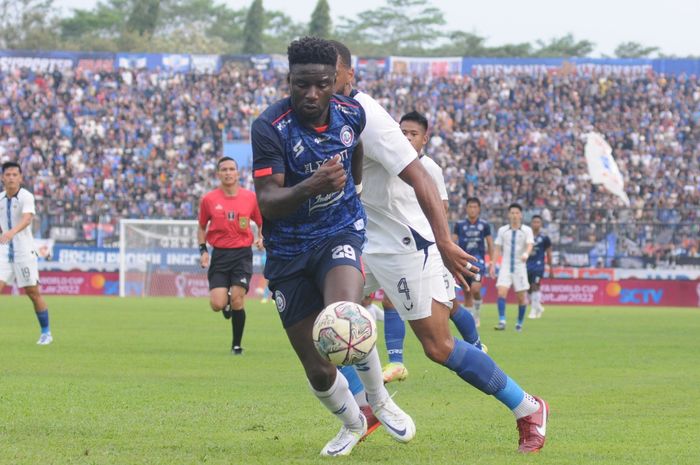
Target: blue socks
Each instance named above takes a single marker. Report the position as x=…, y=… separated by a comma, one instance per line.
x=476, y=368
x=501, y=309
x=479, y=370
x=464, y=321
x=521, y=314
x=394, y=334
x=354, y=382
x=511, y=395
x=43, y=318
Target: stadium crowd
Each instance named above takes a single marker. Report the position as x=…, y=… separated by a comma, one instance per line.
x=96, y=147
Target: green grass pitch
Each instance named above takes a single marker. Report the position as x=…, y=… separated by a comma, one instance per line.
x=151, y=381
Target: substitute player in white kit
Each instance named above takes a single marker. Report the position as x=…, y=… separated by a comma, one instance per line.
x=18, y=258
x=408, y=240
x=514, y=243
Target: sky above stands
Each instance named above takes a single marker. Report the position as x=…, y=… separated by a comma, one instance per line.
x=670, y=25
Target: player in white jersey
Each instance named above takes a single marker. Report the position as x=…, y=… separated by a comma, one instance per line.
x=18, y=258
x=415, y=127
x=407, y=235
x=514, y=243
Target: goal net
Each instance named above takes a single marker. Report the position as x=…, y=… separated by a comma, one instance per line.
x=160, y=258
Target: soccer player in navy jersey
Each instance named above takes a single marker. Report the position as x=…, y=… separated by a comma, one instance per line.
x=314, y=229
x=408, y=248
x=474, y=236
x=536, y=263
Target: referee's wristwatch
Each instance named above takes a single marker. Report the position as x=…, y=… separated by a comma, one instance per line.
x=203, y=248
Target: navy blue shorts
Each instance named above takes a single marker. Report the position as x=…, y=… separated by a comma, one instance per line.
x=534, y=276
x=482, y=271
x=296, y=284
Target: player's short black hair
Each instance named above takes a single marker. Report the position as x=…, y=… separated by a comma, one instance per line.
x=343, y=52
x=535, y=217
x=223, y=159
x=474, y=200
x=515, y=205
x=11, y=164
x=416, y=117
x=312, y=50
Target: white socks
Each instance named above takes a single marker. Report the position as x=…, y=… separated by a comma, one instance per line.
x=341, y=403
x=536, y=299
x=528, y=406
x=370, y=372
x=477, y=308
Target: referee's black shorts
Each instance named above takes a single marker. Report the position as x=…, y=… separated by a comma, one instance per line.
x=230, y=267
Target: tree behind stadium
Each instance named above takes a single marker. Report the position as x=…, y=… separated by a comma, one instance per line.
x=254, y=27
x=321, y=25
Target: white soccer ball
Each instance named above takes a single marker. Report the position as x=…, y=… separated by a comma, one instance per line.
x=344, y=333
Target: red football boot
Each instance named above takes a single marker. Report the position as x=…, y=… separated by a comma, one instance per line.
x=372, y=422
x=532, y=429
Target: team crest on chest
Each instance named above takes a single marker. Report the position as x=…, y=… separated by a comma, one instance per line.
x=347, y=136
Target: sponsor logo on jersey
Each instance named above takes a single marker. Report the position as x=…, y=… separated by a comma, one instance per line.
x=298, y=149
x=282, y=124
x=321, y=139
x=324, y=200
x=218, y=207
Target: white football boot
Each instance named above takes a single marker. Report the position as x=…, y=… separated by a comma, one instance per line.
x=345, y=440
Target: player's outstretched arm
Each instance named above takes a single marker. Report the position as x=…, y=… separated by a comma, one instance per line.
x=25, y=221
x=455, y=259
x=277, y=201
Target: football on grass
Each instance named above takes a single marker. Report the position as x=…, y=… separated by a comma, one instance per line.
x=344, y=333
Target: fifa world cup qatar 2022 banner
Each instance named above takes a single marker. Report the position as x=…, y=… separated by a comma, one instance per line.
x=74, y=283
x=599, y=292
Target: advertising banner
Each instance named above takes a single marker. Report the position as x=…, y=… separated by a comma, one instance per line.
x=36, y=61
x=433, y=67
x=206, y=63
x=172, y=284
x=598, y=292
x=74, y=283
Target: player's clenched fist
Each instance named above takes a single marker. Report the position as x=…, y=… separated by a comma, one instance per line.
x=329, y=178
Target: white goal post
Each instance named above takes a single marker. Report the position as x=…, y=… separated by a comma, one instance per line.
x=160, y=258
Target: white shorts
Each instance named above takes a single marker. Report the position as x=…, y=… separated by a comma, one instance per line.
x=411, y=281
x=25, y=272
x=517, y=279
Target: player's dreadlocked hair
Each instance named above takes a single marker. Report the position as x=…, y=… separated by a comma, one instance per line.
x=343, y=53
x=312, y=50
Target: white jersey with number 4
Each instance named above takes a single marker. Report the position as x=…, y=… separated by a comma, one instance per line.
x=400, y=255
x=395, y=221
x=435, y=172
x=11, y=210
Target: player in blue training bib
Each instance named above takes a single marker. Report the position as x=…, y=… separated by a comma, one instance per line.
x=314, y=223
x=474, y=236
x=536, y=266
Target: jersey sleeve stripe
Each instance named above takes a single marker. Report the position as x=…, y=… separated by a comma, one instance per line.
x=262, y=172
x=281, y=116
x=344, y=103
